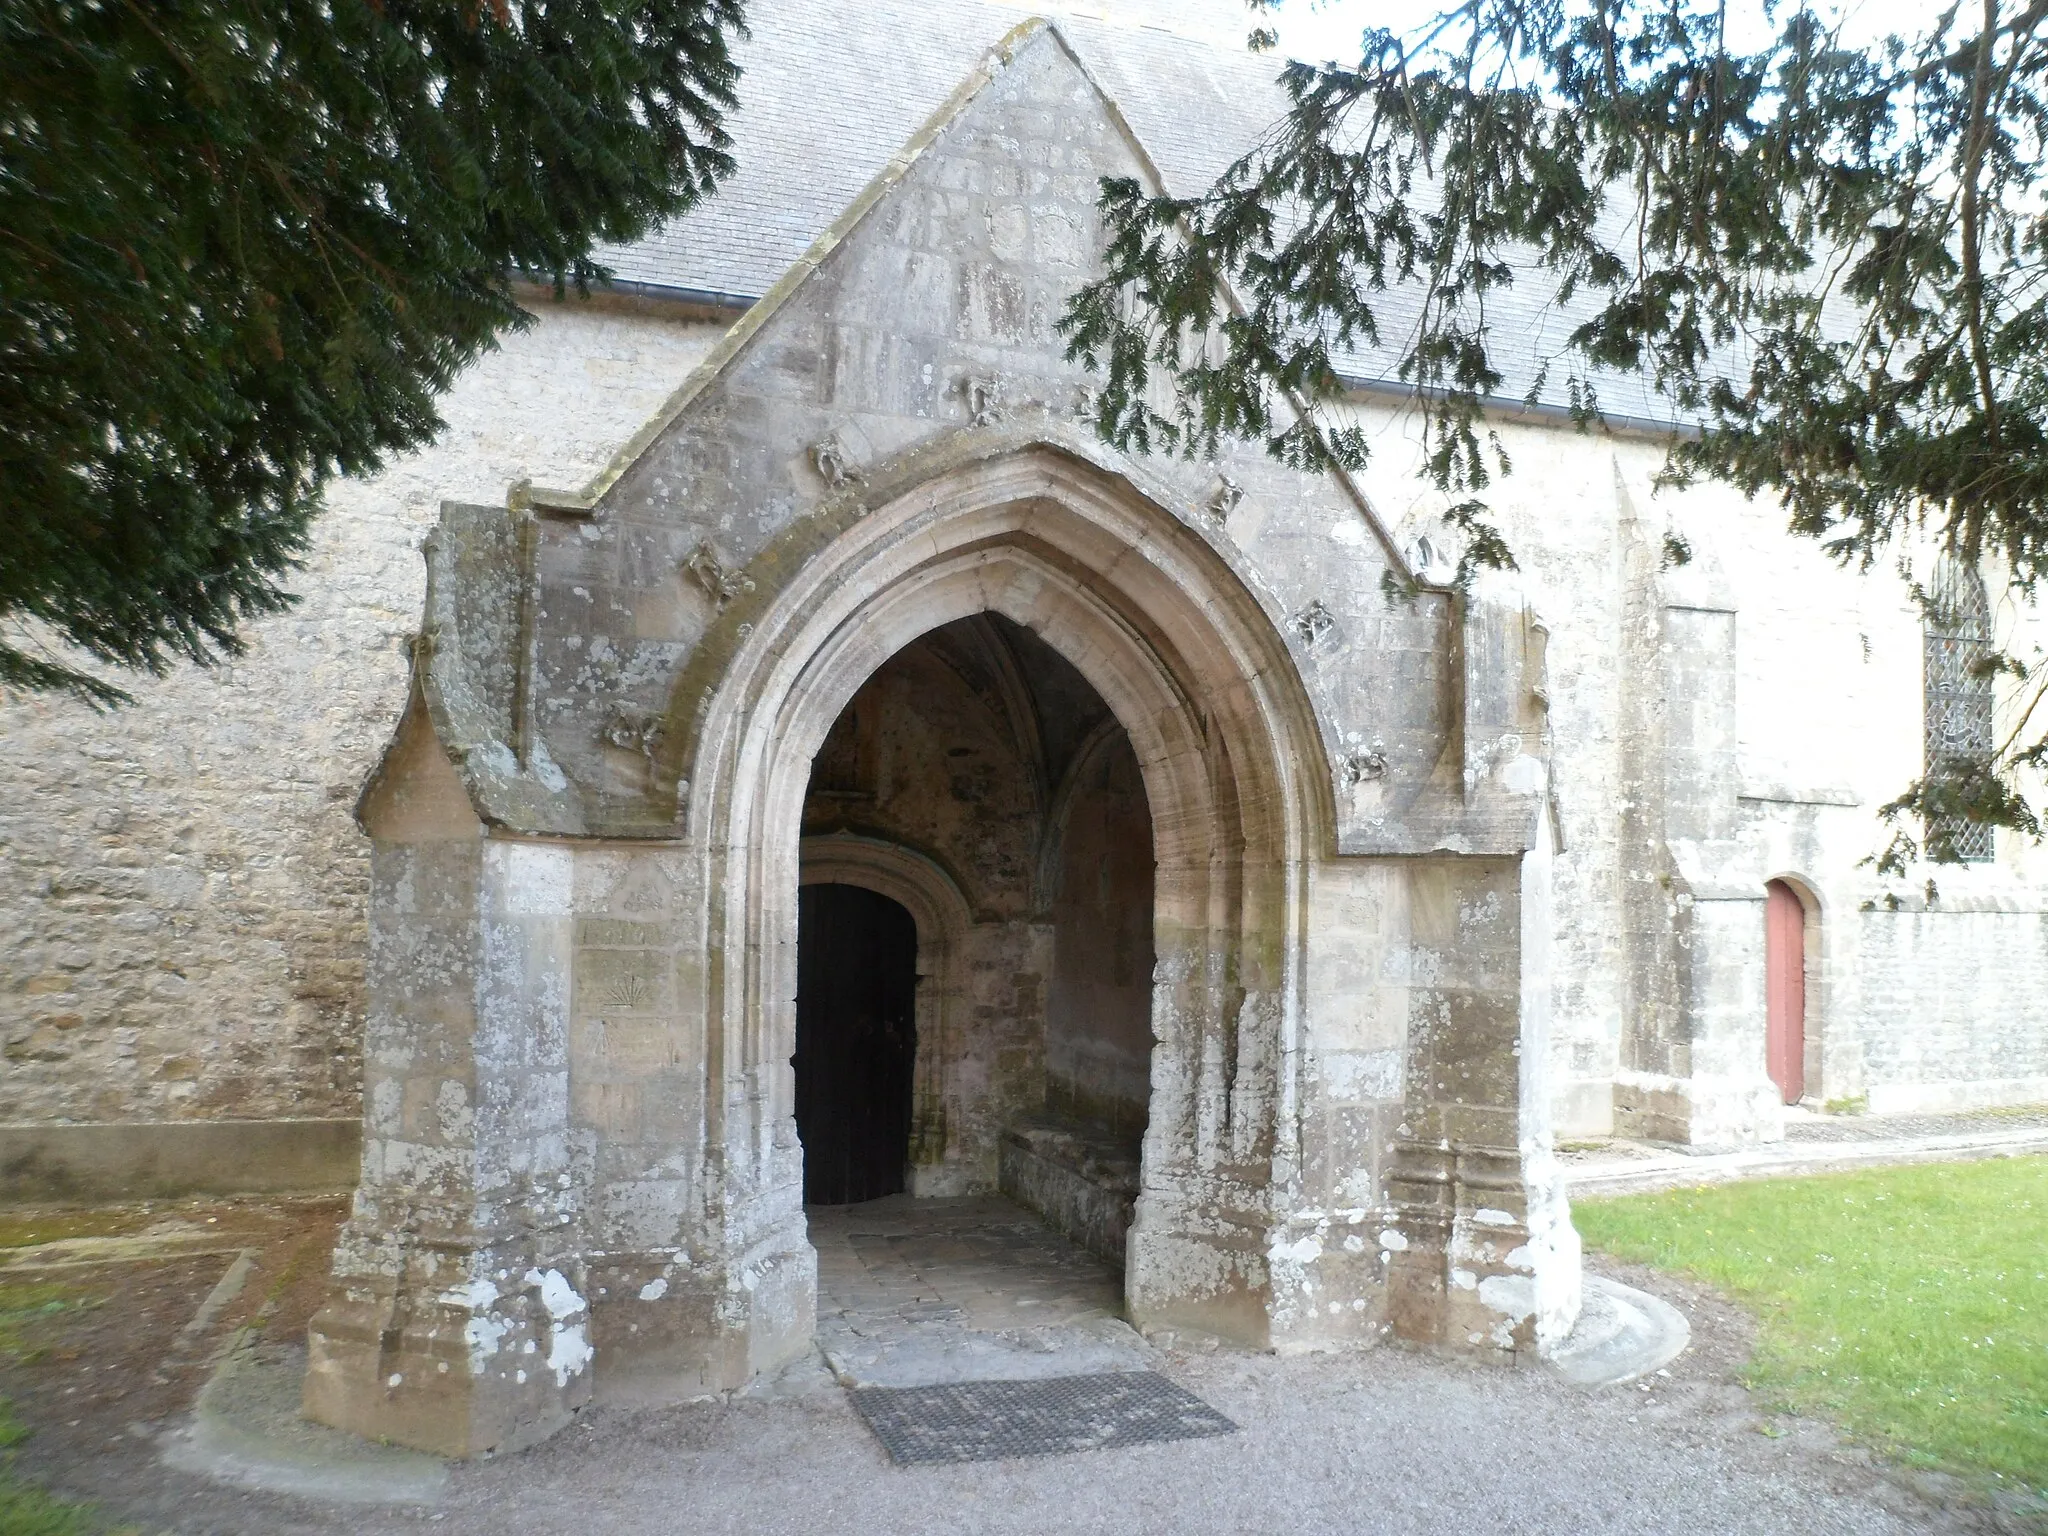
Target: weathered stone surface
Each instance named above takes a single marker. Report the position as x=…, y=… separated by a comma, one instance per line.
x=651, y=777
x=1428, y=881
x=1085, y=1185
x=182, y=886
x=167, y=1159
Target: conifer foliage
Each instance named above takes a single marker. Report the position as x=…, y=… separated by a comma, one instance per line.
x=1832, y=260
x=244, y=244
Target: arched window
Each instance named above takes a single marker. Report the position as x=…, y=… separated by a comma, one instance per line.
x=1959, y=699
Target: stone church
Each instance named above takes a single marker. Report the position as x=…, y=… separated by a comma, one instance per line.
x=810, y=765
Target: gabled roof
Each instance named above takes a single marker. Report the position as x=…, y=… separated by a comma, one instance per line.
x=566, y=714
x=832, y=89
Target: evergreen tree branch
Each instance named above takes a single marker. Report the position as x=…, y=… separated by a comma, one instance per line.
x=245, y=246
x=1830, y=260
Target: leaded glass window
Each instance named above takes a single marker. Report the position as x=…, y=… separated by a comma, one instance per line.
x=1959, y=696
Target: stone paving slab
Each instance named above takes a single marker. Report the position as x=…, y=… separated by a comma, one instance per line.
x=1968, y=1122
x=915, y=1293
x=128, y=1248
x=246, y=1429
x=1622, y=1168
x=1622, y=1334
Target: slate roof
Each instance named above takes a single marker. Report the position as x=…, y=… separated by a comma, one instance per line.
x=833, y=88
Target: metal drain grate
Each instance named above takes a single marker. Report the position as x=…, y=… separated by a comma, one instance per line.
x=988, y=1420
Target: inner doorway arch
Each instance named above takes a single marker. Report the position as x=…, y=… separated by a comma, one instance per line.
x=1785, y=989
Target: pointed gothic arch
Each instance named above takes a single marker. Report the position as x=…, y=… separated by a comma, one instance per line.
x=1230, y=754
x=579, y=1134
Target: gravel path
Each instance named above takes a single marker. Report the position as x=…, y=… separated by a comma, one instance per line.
x=1389, y=1443
x=1384, y=1442
x=1895, y=1127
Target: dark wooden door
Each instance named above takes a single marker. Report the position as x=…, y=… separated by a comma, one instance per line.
x=1785, y=989
x=856, y=1042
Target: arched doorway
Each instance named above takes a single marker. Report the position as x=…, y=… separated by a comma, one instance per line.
x=639, y=957
x=856, y=1042
x=977, y=765
x=1785, y=989
x=1232, y=766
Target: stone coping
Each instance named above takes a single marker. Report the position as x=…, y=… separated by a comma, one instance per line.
x=1102, y=1159
x=159, y=1160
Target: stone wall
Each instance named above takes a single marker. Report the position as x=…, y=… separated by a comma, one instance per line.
x=1821, y=716
x=184, y=887
x=183, y=899
x=1953, y=1001
x=1098, y=1043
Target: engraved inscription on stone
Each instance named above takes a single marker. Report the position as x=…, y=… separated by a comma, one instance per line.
x=617, y=981
x=628, y=990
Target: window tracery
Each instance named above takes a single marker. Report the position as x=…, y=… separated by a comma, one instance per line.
x=1959, y=723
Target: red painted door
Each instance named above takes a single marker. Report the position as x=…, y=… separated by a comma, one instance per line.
x=1785, y=989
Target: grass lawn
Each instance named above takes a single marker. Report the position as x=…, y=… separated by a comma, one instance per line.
x=1908, y=1304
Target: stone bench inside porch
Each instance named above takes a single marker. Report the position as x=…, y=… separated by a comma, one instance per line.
x=1082, y=1179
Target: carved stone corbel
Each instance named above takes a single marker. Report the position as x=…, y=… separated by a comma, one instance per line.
x=1432, y=566
x=709, y=572
x=984, y=397
x=1314, y=624
x=1224, y=499
x=1366, y=767
x=834, y=465
x=635, y=730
